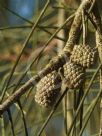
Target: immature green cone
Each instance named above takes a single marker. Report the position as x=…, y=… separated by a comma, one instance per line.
x=83, y=55
x=74, y=74
x=48, y=89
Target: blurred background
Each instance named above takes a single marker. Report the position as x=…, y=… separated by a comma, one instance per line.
x=16, y=20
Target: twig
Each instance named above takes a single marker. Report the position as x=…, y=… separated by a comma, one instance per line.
x=57, y=37
x=74, y=32
x=94, y=104
x=81, y=110
x=84, y=27
x=11, y=121
x=29, y=26
x=23, y=118
x=74, y=132
x=16, y=14
x=44, y=28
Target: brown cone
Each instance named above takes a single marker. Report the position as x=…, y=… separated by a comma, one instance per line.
x=48, y=89
x=74, y=74
x=83, y=55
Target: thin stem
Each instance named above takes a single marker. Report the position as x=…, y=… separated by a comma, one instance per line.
x=92, y=5
x=74, y=112
x=15, y=27
x=23, y=118
x=16, y=14
x=94, y=104
x=11, y=121
x=29, y=26
x=81, y=110
x=92, y=21
x=84, y=27
x=65, y=114
x=57, y=37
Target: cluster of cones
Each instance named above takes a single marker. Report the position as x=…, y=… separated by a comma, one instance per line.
x=48, y=88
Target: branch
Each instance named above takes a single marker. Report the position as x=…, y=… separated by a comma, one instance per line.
x=75, y=28
x=54, y=63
